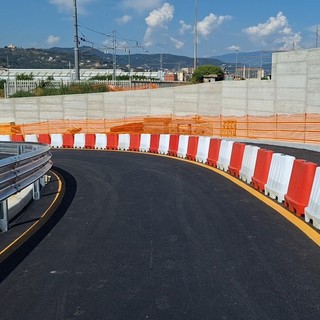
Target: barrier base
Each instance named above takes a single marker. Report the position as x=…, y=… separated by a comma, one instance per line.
x=293, y=206
x=312, y=219
x=212, y=163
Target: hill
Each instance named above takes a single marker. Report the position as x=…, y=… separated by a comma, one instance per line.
x=62, y=58
x=254, y=59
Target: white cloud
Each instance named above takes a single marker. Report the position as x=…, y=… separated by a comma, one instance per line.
x=184, y=27
x=140, y=5
x=157, y=20
x=177, y=43
x=159, y=17
x=52, y=40
x=67, y=5
x=211, y=22
x=124, y=20
x=274, y=30
x=234, y=48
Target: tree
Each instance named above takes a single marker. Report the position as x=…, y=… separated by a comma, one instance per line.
x=24, y=76
x=201, y=71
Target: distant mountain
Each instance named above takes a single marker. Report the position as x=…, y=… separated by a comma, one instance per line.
x=249, y=59
x=61, y=58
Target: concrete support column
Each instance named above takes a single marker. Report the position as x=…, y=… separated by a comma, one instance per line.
x=36, y=190
x=4, y=219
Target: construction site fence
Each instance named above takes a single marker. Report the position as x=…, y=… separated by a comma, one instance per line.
x=298, y=128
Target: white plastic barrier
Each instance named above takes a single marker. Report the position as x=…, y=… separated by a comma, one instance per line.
x=164, y=143
x=279, y=176
x=79, y=140
x=101, y=141
x=225, y=155
x=5, y=137
x=145, y=140
x=183, y=146
x=248, y=163
x=56, y=140
x=31, y=138
x=312, y=211
x=124, y=141
x=203, y=149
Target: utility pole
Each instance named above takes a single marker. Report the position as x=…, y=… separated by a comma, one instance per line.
x=195, y=53
x=317, y=36
x=114, y=60
x=76, y=42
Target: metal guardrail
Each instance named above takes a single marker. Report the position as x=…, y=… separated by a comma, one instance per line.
x=26, y=164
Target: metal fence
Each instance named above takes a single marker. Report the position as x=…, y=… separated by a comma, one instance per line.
x=25, y=164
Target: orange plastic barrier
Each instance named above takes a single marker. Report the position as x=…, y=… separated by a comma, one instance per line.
x=236, y=158
x=154, y=143
x=44, y=138
x=17, y=138
x=134, y=142
x=300, y=185
x=173, y=145
x=90, y=141
x=112, y=141
x=262, y=168
x=213, y=154
x=192, y=148
x=67, y=140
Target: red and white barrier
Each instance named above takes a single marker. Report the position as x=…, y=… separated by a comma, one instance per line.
x=279, y=176
x=225, y=155
x=31, y=138
x=203, y=149
x=192, y=147
x=312, y=211
x=79, y=140
x=183, y=146
x=300, y=186
x=154, y=143
x=101, y=141
x=145, y=142
x=5, y=138
x=262, y=168
x=173, y=145
x=68, y=140
x=236, y=158
x=214, y=151
x=17, y=138
x=248, y=163
x=134, y=141
x=56, y=140
x=124, y=141
x=164, y=143
x=90, y=141
x=112, y=141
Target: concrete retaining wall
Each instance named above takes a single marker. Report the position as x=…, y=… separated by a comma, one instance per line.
x=294, y=88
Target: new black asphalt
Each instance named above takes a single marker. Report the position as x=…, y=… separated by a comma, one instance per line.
x=145, y=237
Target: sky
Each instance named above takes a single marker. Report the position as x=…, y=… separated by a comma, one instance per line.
x=163, y=26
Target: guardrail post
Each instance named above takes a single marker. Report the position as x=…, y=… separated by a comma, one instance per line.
x=4, y=221
x=36, y=190
x=21, y=149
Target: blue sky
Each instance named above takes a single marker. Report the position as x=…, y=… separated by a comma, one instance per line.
x=157, y=26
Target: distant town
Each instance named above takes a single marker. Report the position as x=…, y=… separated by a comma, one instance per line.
x=59, y=63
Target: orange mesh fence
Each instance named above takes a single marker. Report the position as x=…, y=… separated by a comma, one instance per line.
x=300, y=128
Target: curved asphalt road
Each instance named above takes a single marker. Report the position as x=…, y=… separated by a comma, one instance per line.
x=148, y=237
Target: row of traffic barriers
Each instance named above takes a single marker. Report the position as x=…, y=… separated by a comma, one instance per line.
x=293, y=182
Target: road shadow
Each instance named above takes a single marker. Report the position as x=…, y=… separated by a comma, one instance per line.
x=17, y=256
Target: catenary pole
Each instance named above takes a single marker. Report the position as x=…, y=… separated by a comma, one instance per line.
x=76, y=42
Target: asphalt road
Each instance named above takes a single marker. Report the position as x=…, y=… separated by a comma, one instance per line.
x=146, y=237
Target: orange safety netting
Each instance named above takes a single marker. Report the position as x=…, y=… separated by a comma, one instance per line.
x=299, y=128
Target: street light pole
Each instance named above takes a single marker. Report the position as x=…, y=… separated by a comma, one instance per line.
x=76, y=42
